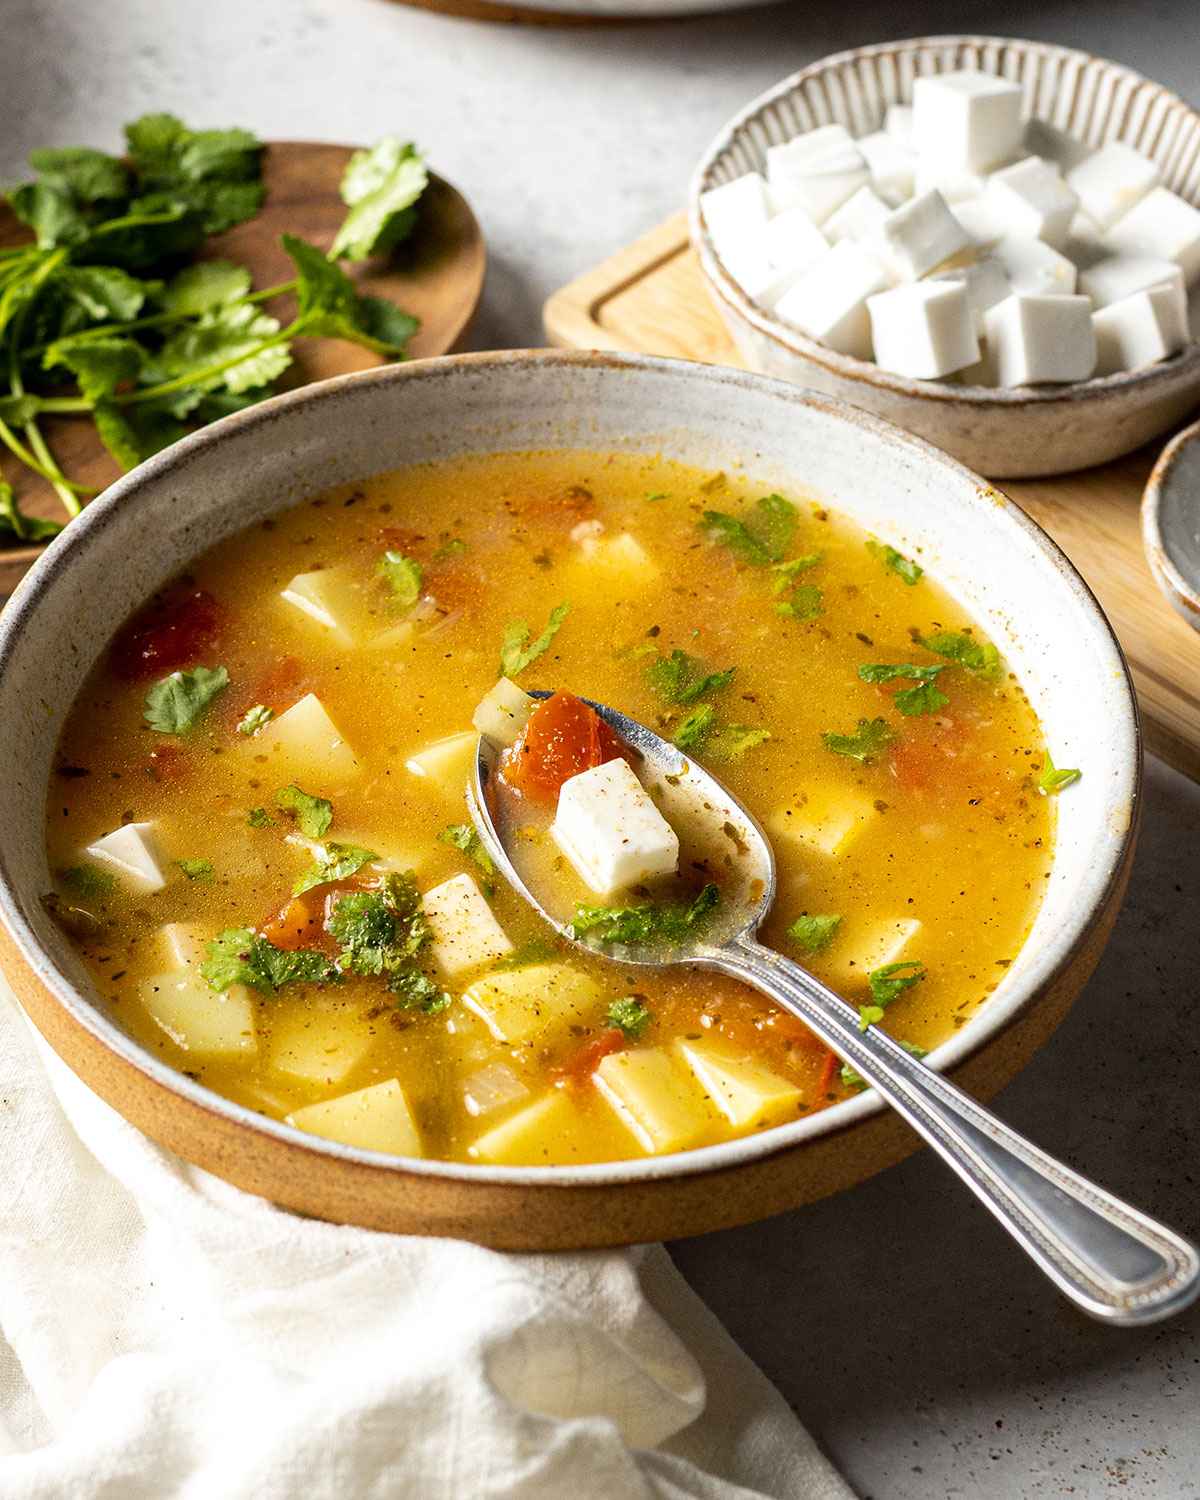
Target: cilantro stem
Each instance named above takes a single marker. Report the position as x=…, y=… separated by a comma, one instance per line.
x=66, y=490
x=197, y=377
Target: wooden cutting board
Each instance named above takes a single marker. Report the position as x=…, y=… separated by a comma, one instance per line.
x=651, y=298
x=438, y=278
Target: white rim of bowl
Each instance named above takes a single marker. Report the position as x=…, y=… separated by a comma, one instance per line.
x=989, y=1018
x=722, y=282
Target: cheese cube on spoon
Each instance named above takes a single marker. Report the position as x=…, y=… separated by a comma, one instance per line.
x=609, y=828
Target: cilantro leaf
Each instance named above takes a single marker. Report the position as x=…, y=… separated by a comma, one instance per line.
x=404, y=574
x=240, y=956
x=177, y=703
x=381, y=187
x=630, y=1014
x=888, y=672
x=515, y=651
x=103, y=294
x=813, y=933
x=680, y=678
x=14, y=524
x=213, y=173
x=196, y=869
x=153, y=229
x=978, y=657
x=99, y=365
x=805, y=602
x=416, y=991
x=911, y=572
x=696, y=727
x=89, y=176
x=671, y=923
x=51, y=211
x=259, y=817
x=852, y=1079
x=241, y=340
x=534, y=952
x=925, y=698
x=761, y=539
x=89, y=882
x=1053, y=780
x=338, y=862
x=133, y=434
x=313, y=814
x=380, y=931
x=204, y=287
x=331, y=307
x=889, y=982
x=465, y=836
x=255, y=720
x=864, y=744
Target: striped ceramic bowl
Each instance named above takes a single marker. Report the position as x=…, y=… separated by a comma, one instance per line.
x=1003, y=433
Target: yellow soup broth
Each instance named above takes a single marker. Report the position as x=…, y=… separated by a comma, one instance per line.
x=932, y=849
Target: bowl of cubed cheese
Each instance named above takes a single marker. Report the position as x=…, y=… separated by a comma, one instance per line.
x=993, y=243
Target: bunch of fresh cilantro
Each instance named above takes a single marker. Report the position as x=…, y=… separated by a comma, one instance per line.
x=107, y=312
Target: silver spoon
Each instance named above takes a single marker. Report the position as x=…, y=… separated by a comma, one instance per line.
x=1111, y=1260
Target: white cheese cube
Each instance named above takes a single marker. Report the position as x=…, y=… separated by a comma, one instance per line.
x=817, y=172
x=1111, y=181
x=1084, y=244
x=465, y=933
x=745, y=258
x=184, y=944
x=829, y=301
x=1140, y=330
x=792, y=241
x=891, y=166
x=879, y=944
x=332, y=599
x=609, y=828
x=657, y=1100
x=198, y=1019
x=1119, y=276
x=375, y=1119
x=955, y=185
x=748, y=1094
x=735, y=208
x=318, y=1044
x=921, y=235
x=1039, y=338
x=983, y=221
x=824, y=819
x=861, y=213
x=539, y=1003
x=1034, y=199
x=925, y=330
x=446, y=764
x=986, y=284
x=552, y=1131
x=898, y=123
x=132, y=851
x=1035, y=267
x=1051, y=144
x=1163, y=225
x=502, y=712
x=967, y=119
x=304, y=744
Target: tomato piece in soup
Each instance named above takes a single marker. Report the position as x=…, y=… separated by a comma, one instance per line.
x=173, y=631
x=562, y=738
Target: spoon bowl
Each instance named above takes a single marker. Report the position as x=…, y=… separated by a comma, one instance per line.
x=1114, y=1262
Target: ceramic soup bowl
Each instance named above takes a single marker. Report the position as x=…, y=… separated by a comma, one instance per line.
x=984, y=550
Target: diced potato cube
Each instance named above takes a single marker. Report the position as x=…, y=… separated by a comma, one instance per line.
x=185, y=944
x=746, y=1093
x=446, y=764
x=655, y=1098
x=549, y=1132
x=333, y=599
x=376, y=1119
x=880, y=944
x=619, y=559
x=318, y=1046
x=534, y=1003
x=465, y=933
x=304, y=744
x=199, y=1020
x=825, y=818
x=132, y=851
x=502, y=712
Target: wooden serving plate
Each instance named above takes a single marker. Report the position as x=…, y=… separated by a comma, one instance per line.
x=651, y=298
x=439, y=279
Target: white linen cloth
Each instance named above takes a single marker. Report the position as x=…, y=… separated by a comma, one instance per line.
x=164, y=1336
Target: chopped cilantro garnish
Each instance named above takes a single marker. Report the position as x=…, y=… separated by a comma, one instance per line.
x=658, y=495
x=453, y=546
x=381, y=930
x=404, y=575
x=890, y=981
x=852, y=1079
x=88, y=881
x=1052, y=779
x=925, y=698
x=516, y=653
x=869, y=1015
x=888, y=672
x=631, y=1015
x=812, y=933
x=680, y=678
x=416, y=991
x=240, y=956
x=313, y=814
x=696, y=727
x=805, y=602
x=537, y=951
x=259, y=817
x=338, y=862
x=702, y=731
x=762, y=538
x=176, y=703
x=465, y=837
x=866, y=742
x=256, y=719
x=978, y=657
x=196, y=869
x=910, y=571
x=670, y=922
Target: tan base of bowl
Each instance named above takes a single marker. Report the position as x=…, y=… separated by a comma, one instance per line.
x=521, y=1217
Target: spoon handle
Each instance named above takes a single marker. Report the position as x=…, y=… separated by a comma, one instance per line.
x=1114, y=1262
